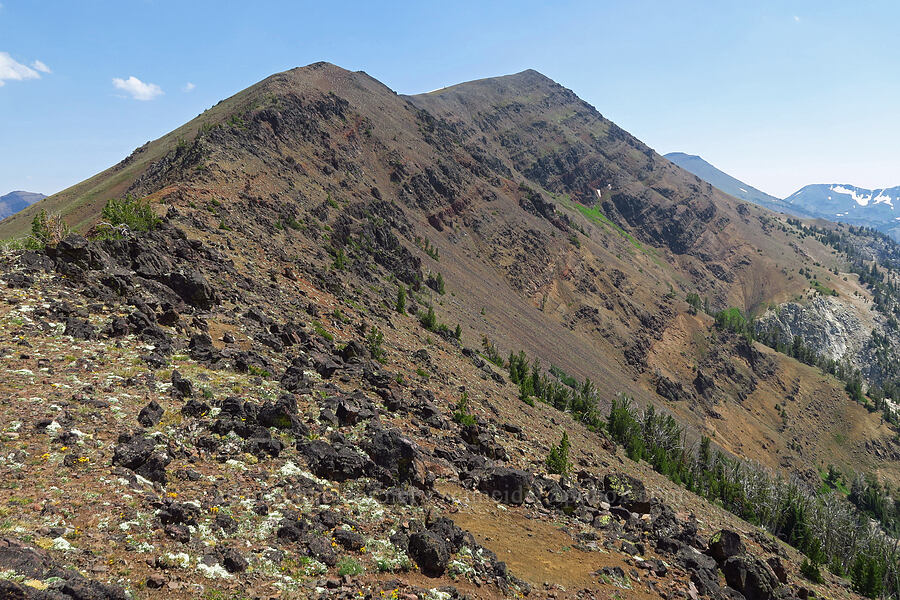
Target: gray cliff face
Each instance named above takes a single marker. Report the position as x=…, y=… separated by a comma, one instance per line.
x=834, y=330
x=825, y=324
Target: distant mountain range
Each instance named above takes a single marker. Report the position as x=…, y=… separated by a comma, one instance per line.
x=879, y=209
x=13, y=202
x=850, y=204
x=724, y=181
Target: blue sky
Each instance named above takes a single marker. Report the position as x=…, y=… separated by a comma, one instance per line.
x=779, y=93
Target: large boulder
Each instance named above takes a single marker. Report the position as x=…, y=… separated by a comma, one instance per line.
x=233, y=561
x=23, y=561
x=778, y=568
x=151, y=414
x=725, y=544
x=338, y=463
x=354, y=351
x=80, y=329
x=453, y=536
x=261, y=444
x=281, y=414
x=294, y=379
x=702, y=569
x=320, y=547
x=750, y=576
x=324, y=364
x=181, y=386
x=193, y=288
x=139, y=454
x=430, y=553
x=504, y=484
x=75, y=251
x=397, y=455
x=349, y=539
x=352, y=409
x=202, y=350
x=625, y=490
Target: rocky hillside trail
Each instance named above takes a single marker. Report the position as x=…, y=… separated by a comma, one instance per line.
x=282, y=373
x=183, y=440
x=553, y=231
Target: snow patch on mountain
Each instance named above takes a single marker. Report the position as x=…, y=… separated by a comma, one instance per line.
x=862, y=197
x=882, y=197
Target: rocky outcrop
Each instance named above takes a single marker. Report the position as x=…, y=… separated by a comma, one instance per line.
x=825, y=324
x=30, y=566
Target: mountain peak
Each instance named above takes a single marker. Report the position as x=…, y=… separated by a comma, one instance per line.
x=683, y=155
x=17, y=200
x=525, y=81
x=725, y=182
x=848, y=203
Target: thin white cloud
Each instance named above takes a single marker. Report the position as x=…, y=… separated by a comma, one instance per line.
x=12, y=70
x=137, y=89
x=188, y=87
x=796, y=18
x=41, y=66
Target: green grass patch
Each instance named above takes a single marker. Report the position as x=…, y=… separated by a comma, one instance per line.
x=317, y=327
x=593, y=214
x=822, y=289
x=349, y=566
x=135, y=214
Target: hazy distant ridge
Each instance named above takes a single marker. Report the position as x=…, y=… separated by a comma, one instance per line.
x=13, y=202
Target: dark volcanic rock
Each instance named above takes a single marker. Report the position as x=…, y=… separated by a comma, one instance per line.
x=138, y=453
x=151, y=414
x=751, y=577
x=397, y=455
x=178, y=513
x=350, y=540
x=294, y=380
x=261, y=444
x=626, y=491
x=281, y=414
x=33, y=563
x=181, y=385
x=430, y=553
x=338, y=463
x=193, y=288
x=778, y=568
x=80, y=328
x=702, y=568
x=506, y=485
x=320, y=547
x=725, y=544
x=75, y=252
x=201, y=349
x=325, y=365
x=195, y=408
x=233, y=561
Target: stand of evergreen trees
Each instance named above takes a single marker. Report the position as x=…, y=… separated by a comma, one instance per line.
x=556, y=389
x=881, y=277
x=733, y=320
x=826, y=528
